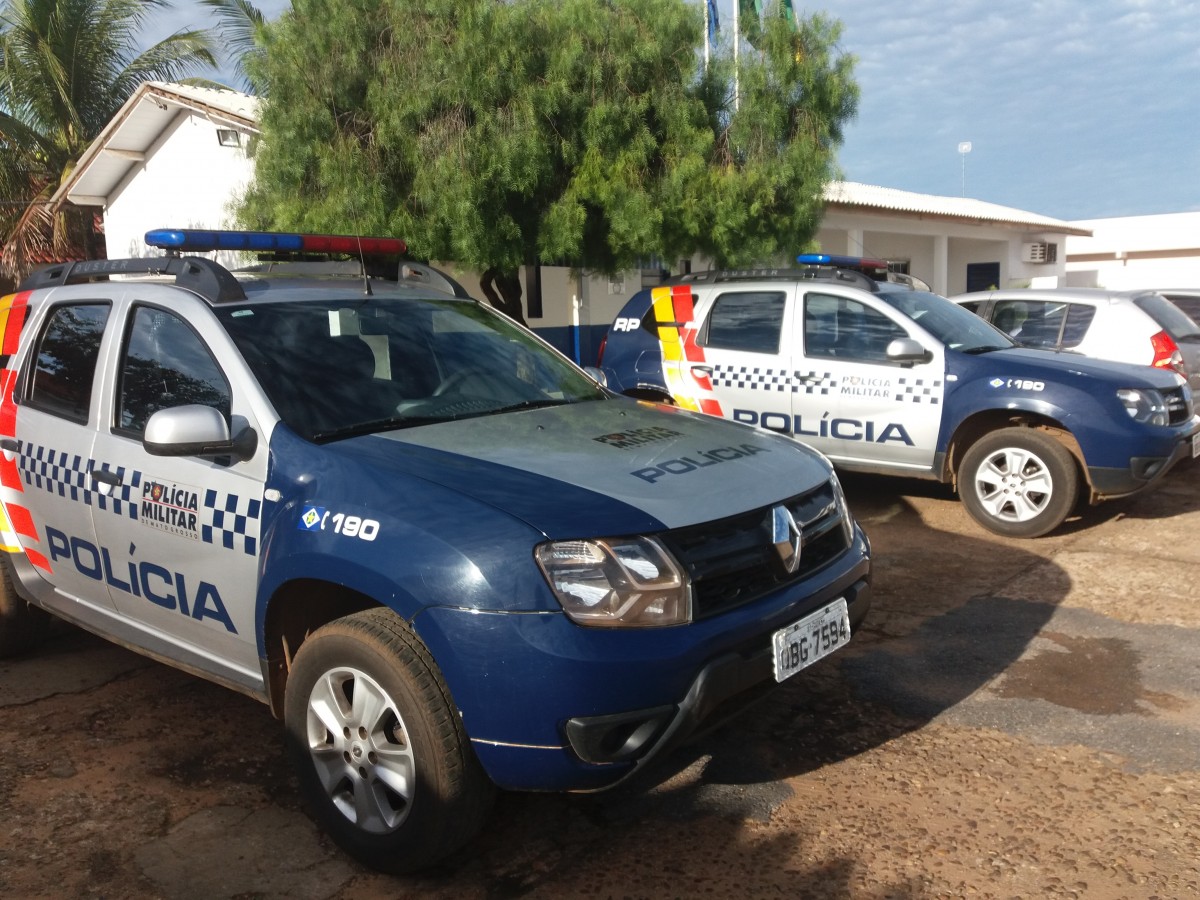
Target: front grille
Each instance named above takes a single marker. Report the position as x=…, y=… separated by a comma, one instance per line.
x=1178, y=407
x=733, y=561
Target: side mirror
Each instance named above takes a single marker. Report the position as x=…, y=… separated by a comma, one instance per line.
x=597, y=375
x=196, y=430
x=906, y=350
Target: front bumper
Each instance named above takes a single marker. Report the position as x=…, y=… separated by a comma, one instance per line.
x=724, y=688
x=1143, y=471
x=551, y=706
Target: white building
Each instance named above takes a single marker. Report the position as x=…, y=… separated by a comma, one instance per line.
x=175, y=157
x=1128, y=252
x=955, y=244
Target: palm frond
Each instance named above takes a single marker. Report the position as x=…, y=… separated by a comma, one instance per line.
x=66, y=67
x=244, y=32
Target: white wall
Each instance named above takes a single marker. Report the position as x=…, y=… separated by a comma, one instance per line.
x=1130, y=252
x=187, y=181
x=905, y=237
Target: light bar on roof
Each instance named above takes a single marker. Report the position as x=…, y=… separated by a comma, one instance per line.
x=196, y=241
x=849, y=262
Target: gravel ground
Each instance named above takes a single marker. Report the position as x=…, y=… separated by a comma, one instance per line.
x=1016, y=719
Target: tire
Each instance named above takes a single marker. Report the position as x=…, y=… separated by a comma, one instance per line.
x=382, y=756
x=1018, y=482
x=22, y=627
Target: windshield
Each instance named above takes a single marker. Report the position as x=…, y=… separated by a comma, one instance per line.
x=957, y=328
x=339, y=367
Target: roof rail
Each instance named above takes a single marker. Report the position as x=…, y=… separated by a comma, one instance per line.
x=209, y=279
x=376, y=255
x=792, y=273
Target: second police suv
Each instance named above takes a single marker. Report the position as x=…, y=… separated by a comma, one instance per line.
x=443, y=554
x=885, y=378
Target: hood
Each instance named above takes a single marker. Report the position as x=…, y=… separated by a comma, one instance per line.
x=614, y=466
x=1119, y=373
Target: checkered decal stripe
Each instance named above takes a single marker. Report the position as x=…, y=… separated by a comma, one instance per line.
x=756, y=378
x=918, y=390
x=815, y=382
x=67, y=476
x=232, y=521
x=229, y=520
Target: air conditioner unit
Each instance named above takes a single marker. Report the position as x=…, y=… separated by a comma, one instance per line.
x=1039, y=252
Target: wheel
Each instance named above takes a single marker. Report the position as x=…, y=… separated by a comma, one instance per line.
x=381, y=753
x=1018, y=482
x=22, y=627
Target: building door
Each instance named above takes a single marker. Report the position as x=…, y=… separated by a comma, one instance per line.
x=983, y=276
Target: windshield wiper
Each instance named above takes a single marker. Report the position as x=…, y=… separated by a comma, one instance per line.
x=976, y=351
x=392, y=423
x=528, y=404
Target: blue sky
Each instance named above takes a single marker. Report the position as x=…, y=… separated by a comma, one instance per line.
x=1074, y=109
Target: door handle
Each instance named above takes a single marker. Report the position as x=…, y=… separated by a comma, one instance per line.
x=702, y=370
x=106, y=476
x=12, y=445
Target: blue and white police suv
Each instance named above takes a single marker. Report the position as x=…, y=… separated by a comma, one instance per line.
x=448, y=558
x=882, y=377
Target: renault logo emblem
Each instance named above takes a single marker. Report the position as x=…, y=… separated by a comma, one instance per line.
x=787, y=537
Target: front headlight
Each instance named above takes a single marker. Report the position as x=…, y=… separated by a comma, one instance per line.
x=839, y=498
x=843, y=508
x=620, y=582
x=1145, y=405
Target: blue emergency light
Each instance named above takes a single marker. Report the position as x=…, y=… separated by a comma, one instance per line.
x=203, y=241
x=848, y=262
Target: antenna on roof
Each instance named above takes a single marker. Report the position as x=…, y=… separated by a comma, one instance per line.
x=362, y=261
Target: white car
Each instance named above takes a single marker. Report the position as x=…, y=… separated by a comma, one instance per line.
x=1187, y=299
x=1127, y=326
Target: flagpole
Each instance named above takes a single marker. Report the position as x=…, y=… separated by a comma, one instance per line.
x=707, y=32
x=737, y=40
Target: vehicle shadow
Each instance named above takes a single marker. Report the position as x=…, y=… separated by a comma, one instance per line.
x=941, y=627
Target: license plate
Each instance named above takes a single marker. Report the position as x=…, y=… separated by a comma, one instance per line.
x=814, y=637
x=1195, y=445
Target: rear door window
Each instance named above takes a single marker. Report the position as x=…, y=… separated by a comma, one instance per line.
x=1043, y=323
x=65, y=361
x=750, y=321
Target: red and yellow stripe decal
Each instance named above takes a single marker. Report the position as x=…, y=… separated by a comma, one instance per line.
x=674, y=312
x=18, y=532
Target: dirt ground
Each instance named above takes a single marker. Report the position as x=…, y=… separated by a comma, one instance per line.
x=1015, y=719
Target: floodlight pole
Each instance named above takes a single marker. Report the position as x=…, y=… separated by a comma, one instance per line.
x=964, y=147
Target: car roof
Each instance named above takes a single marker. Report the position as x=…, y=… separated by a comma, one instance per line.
x=1086, y=294
x=287, y=280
